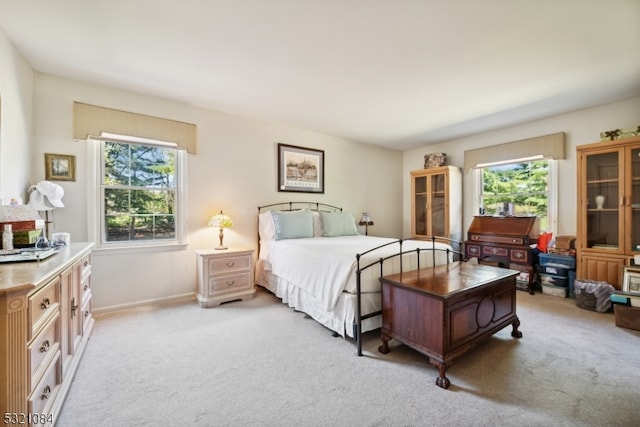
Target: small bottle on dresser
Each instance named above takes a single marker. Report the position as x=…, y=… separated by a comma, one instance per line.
x=7, y=238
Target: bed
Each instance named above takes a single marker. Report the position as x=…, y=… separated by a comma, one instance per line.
x=313, y=258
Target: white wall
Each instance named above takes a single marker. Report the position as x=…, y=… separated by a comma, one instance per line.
x=16, y=94
x=235, y=170
x=580, y=127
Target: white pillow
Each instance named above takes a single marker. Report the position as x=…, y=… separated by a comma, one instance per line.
x=265, y=226
x=292, y=225
x=335, y=224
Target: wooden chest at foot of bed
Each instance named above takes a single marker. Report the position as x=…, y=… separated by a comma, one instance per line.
x=444, y=311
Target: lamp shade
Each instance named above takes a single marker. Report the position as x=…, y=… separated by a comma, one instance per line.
x=366, y=219
x=221, y=220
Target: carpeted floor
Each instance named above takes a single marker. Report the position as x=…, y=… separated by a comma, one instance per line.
x=259, y=363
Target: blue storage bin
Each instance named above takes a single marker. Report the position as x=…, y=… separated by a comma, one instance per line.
x=555, y=260
x=552, y=279
x=552, y=269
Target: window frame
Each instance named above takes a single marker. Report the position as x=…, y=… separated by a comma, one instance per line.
x=95, y=196
x=552, y=205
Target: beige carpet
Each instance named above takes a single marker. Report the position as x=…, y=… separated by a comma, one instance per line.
x=259, y=363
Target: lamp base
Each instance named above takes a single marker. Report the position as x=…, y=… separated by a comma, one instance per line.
x=219, y=248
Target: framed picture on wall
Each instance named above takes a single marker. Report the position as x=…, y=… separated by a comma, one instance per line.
x=300, y=169
x=60, y=167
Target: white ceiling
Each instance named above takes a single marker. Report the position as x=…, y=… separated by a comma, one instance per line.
x=395, y=73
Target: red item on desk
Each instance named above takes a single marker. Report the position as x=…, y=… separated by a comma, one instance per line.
x=543, y=241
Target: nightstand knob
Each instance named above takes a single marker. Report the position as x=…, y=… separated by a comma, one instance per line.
x=231, y=264
x=230, y=282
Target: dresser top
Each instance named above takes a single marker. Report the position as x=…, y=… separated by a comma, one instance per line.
x=449, y=279
x=26, y=276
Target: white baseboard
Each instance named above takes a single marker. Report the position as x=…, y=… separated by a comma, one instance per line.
x=154, y=301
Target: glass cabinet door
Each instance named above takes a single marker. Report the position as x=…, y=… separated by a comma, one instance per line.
x=632, y=226
x=420, y=206
x=603, y=193
x=438, y=204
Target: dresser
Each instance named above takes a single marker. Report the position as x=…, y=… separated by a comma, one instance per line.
x=45, y=323
x=224, y=275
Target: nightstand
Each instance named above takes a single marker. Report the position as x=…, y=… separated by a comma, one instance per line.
x=224, y=275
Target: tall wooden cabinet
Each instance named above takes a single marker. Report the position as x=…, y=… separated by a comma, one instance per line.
x=436, y=203
x=608, y=209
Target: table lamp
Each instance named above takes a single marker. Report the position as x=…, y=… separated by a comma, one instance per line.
x=366, y=221
x=221, y=221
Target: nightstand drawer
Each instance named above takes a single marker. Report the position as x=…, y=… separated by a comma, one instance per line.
x=229, y=264
x=230, y=282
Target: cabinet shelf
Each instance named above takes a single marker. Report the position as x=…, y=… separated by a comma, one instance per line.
x=602, y=181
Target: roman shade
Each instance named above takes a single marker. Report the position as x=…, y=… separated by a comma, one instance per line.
x=547, y=146
x=91, y=120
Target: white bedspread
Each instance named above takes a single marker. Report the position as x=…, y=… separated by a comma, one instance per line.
x=325, y=266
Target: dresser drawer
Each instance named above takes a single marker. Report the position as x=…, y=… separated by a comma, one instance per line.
x=230, y=282
x=44, y=393
x=43, y=305
x=519, y=255
x=495, y=251
x=229, y=264
x=43, y=347
x=85, y=267
x=86, y=314
x=473, y=250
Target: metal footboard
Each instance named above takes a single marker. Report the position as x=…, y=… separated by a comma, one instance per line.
x=357, y=326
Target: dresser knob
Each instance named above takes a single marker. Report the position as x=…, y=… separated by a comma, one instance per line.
x=231, y=282
x=46, y=393
x=231, y=264
x=44, y=347
x=45, y=303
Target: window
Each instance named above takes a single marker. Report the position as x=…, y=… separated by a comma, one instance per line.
x=529, y=186
x=138, y=193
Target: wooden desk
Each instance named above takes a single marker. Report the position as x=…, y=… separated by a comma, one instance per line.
x=444, y=311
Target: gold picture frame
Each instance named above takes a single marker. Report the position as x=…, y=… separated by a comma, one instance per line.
x=60, y=167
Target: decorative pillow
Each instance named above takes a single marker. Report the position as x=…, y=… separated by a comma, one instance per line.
x=292, y=225
x=265, y=226
x=336, y=224
x=317, y=224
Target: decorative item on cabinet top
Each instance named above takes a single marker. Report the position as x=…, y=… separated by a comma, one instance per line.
x=614, y=134
x=434, y=160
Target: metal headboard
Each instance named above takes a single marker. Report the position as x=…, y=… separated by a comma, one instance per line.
x=292, y=206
